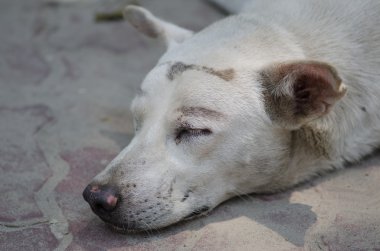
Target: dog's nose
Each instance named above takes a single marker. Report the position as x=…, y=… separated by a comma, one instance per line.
x=102, y=199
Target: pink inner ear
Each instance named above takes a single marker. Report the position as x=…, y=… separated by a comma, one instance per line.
x=316, y=88
x=301, y=91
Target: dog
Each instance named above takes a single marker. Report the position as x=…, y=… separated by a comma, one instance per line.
x=258, y=102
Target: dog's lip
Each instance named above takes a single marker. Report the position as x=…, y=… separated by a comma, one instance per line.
x=130, y=228
x=198, y=212
x=120, y=228
x=123, y=227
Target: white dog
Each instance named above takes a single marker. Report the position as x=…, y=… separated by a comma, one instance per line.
x=257, y=102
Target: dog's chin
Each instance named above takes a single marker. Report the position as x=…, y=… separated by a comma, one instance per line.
x=125, y=228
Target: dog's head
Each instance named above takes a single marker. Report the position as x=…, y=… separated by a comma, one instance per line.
x=210, y=124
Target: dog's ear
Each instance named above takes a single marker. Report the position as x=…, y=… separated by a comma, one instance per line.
x=298, y=92
x=147, y=23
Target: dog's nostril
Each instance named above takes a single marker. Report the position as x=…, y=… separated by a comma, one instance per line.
x=95, y=189
x=107, y=203
x=102, y=199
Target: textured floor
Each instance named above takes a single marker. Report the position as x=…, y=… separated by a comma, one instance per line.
x=65, y=86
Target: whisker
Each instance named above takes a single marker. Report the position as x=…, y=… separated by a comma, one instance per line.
x=243, y=196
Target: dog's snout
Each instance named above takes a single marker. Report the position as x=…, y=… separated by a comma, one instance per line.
x=102, y=199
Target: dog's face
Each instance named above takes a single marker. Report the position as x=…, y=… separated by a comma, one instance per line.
x=198, y=142
x=203, y=134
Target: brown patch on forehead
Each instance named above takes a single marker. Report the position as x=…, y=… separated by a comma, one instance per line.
x=179, y=67
x=200, y=112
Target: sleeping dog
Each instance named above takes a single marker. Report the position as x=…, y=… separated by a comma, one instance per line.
x=255, y=103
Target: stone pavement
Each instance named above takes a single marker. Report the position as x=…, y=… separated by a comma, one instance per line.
x=65, y=86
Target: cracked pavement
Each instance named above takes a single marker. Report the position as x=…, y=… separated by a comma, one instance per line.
x=65, y=86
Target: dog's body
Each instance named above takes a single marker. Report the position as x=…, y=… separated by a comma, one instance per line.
x=257, y=102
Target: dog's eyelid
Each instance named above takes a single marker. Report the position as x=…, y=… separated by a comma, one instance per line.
x=186, y=125
x=188, y=133
x=191, y=125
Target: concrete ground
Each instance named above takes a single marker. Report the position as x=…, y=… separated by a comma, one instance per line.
x=65, y=86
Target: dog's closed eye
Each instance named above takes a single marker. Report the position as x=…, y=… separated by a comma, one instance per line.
x=187, y=133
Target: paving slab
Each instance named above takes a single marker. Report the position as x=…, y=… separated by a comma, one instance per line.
x=66, y=83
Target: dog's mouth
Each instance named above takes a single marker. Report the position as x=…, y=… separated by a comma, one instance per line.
x=124, y=228
x=196, y=213
x=129, y=228
x=119, y=227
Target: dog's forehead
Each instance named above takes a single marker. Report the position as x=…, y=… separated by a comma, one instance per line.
x=155, y=81
x=179, y=68
x=178, y=79
x=175, y=87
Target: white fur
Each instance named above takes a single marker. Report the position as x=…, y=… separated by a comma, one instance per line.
x=246, y=151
